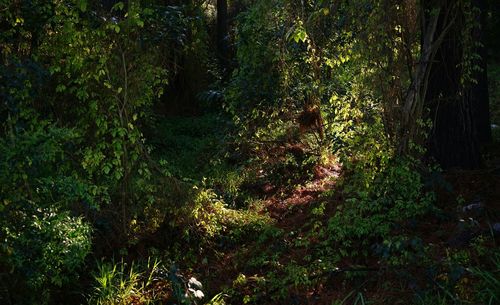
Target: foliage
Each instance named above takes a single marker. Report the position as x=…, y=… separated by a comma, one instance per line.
x=489, y=287
x=151, y=283
x=105, y=70
x=211, y=217
x=300, y=178
x=393, y=196
x=111, y=64
x=43, y=244
x=189, y=146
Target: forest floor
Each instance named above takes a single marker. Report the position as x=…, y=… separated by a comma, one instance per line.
x=278, y=264
x=470, y=206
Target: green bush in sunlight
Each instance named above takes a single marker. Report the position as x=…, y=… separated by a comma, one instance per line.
x=43, y=242
x=211, y=217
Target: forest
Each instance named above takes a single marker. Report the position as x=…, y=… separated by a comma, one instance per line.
x=230, y=152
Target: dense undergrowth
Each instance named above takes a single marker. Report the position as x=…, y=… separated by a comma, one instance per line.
x=280, y=181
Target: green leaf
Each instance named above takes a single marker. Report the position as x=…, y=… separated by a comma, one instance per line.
x=60, y=88
x=82, y=5
x=118, y=7
x=299, y=34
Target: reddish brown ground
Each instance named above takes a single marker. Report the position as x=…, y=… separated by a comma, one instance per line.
x=291, y=211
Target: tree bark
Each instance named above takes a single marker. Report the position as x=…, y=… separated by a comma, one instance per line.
x=413, y=103
x=453, y=141
x=479, y=90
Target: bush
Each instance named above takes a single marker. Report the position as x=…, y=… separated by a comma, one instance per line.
x=391, y=197
x=42, y=243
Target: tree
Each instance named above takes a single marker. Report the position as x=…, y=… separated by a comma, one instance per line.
x=479, y=89
x=456, y=93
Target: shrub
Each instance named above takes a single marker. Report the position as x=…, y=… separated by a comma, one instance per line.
x=374, y=208
x=42, y=243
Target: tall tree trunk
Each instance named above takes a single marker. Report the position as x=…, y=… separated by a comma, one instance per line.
x=453, y=140
x=479, y=90
x=414, y=100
